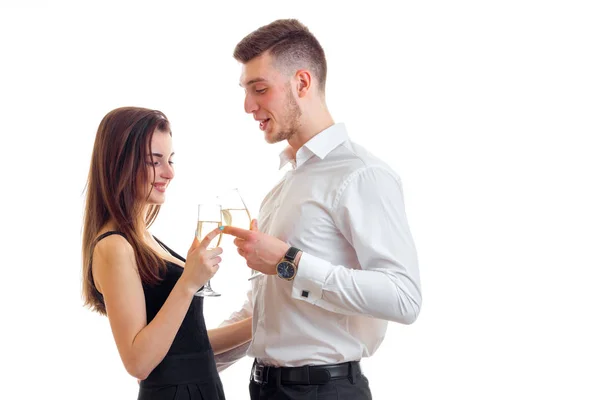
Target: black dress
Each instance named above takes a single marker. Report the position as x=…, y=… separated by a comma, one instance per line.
x=188, y=371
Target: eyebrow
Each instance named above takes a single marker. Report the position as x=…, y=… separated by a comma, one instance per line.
x=253, y=81
x=160, y=155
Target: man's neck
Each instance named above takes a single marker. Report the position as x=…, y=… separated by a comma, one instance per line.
x=309, y=129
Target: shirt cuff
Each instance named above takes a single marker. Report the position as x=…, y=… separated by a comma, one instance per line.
x=310, y=278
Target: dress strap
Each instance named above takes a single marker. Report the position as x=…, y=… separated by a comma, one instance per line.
x=164, y=246
x=105, y=234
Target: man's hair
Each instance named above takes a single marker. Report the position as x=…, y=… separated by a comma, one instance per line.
x=291, y=45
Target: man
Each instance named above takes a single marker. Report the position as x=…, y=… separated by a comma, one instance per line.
x=332, y=237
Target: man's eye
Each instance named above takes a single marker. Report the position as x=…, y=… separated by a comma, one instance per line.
x=261, y=91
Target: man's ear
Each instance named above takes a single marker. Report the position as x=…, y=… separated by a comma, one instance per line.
x=303, y=82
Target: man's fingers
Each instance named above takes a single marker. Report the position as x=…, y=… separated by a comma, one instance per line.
x=254, y=225
x=237, y=232
x=209, y=237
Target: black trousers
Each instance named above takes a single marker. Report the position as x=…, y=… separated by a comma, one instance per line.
x=356, y=388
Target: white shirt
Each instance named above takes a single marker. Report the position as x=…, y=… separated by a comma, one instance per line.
x=344, y=209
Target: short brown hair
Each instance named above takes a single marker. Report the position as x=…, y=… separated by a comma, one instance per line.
x=290, y=43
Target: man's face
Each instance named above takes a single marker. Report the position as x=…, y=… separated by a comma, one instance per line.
x=269, y=98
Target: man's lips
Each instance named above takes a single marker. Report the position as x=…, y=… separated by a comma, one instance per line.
x=263, y=123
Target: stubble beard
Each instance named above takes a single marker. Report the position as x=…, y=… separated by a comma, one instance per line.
x=292, y=118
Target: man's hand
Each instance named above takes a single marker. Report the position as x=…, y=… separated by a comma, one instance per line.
x=261, y=251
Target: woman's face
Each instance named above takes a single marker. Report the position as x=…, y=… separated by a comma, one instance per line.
x=160, y=166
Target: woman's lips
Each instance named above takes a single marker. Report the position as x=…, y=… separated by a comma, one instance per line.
x=161, y=187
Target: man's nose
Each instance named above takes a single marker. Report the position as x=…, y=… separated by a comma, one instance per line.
x=250, y=105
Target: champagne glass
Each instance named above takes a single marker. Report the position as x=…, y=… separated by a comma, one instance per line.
x=209, y=218
x=236, y=213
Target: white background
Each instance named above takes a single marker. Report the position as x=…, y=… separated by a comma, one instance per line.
x=489, y=112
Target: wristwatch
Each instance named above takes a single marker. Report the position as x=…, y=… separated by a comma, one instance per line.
x=286, y=269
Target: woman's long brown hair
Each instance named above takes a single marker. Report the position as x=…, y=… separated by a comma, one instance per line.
x=118, y=171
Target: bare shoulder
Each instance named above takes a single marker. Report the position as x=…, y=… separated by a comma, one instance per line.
x=113, y=256
x=113, y=248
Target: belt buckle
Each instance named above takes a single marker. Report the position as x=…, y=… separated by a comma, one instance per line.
x=259, y=374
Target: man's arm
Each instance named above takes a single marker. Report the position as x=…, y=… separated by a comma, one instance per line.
x=229, y=336
x=227, y=358
x=369, y=212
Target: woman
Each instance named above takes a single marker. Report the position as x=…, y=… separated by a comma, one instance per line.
x=145, y=288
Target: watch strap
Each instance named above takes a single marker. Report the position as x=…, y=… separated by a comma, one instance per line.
x=290, y=255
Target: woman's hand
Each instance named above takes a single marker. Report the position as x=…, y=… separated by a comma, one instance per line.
x=201, y=264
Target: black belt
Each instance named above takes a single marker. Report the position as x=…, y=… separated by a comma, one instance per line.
x=307, y=375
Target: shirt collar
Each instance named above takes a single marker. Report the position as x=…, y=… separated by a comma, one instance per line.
x=319, y=145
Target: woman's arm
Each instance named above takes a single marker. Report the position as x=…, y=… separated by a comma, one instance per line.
x=141, y=346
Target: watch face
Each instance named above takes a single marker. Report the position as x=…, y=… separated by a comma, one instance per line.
x=286, y=270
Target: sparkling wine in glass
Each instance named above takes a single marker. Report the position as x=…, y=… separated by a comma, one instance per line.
x=209, y=218
x=236, y=213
